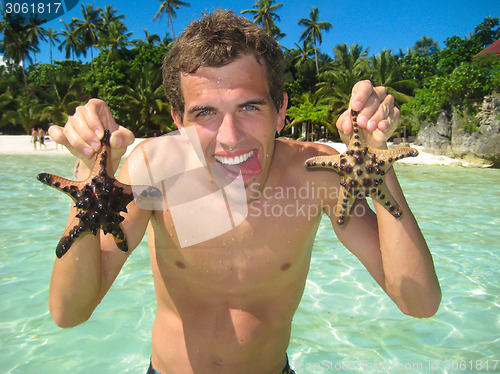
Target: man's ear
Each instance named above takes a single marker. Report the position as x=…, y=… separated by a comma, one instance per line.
x=177, y=119
x=282, y=113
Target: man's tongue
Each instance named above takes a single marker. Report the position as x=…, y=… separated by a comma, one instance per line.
x=249, y=167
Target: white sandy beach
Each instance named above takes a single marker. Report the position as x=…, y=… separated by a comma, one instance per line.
x=22, y=145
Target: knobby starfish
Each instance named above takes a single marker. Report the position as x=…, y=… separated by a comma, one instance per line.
x=99, y=200
x=362, y=169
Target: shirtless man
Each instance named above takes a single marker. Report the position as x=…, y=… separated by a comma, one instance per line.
x=225, y=305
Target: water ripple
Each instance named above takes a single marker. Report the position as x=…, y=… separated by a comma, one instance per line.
x=344, y=316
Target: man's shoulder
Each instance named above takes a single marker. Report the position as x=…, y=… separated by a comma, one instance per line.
x=303, y=150
x=291, y=155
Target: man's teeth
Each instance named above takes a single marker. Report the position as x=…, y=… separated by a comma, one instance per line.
x=234, y=160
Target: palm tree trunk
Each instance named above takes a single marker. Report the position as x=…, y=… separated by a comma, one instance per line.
x=316, y=56
x=171, y=25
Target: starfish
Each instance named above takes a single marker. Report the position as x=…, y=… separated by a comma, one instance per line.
x=99, y=200
x=362, y=169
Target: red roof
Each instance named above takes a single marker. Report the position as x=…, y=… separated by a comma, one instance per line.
x=494, y=48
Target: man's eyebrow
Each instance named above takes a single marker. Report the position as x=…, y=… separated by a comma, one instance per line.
x=253, y=102
x=200, y=108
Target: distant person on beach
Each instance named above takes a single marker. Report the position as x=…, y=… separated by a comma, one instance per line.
x=41, y=137
x=34, y=137
x=226, y=304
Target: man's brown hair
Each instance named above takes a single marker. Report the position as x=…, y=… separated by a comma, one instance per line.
x=215, y=41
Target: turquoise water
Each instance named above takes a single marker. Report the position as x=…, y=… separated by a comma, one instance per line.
x=345, y=323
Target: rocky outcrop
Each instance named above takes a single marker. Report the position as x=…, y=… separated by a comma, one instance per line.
x=453, y=135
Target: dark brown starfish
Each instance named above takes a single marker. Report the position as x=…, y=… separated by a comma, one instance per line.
x=99, y=200
x=362, y=168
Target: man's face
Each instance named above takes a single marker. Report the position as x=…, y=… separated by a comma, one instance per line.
x=235, y=118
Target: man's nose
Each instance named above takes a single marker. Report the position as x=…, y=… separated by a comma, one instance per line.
x=229, y=133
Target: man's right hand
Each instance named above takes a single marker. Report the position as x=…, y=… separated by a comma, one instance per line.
x=84, y=130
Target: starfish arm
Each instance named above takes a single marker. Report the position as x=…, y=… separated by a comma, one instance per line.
x=344, y=204
x=393, y=154
x=67, y=240
x=384, y=197
x=120, y=239
x=127, y=189
x=330, y=162
x=67, y=186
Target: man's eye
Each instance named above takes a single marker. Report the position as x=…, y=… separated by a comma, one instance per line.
x=205, y=112
x=249, y=107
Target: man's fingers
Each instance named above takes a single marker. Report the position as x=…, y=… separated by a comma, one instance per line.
x=360, y=94
x=386, y=117
x=100, y=117
x=121, y=138
x=344, y=123
x=56, y=133
x=85, y=124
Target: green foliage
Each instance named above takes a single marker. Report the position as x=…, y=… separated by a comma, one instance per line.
x=425, y=106
x=148, y=54
x=466, y=85
x=460, y=80
x=43, y=74
x=418, y=66
x=108, y=81
x=424, y=81
x=469, y=122
x=311, y=112
x=308, y=112
x=463, y=89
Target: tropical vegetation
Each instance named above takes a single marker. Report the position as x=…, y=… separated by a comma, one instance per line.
x=424, y=80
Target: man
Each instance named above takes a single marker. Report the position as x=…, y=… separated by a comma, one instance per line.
x=225, y=304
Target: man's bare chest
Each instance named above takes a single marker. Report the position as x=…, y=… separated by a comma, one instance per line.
x=264, y=247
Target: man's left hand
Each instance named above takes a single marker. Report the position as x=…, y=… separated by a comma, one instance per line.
x=377, y=114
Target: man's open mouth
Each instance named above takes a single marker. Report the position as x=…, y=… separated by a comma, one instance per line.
x=246, y=163
x=234, y=160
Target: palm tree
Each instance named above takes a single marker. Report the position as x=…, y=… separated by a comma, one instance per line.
x=386, y=71
x=146, y=104
x=108, y=16
x=264, y=15
x=114, y=40
x=62, y=98
x=310, y=113
x=71, y=42
x=302, y=54
x=169, y=7
x=35, y=32
x=338, y=79
x=351, y=58
x=16, y=46
x=167, y=41
x=7, y=103
x=426, y=45
x=52, y=37
x=28, y=114
x=148, y=39
x=88, y=29
x=151, y=38
x=313, y=30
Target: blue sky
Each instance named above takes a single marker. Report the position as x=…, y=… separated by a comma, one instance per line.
x=388, y=24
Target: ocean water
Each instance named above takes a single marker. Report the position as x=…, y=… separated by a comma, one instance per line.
x=345, y=323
